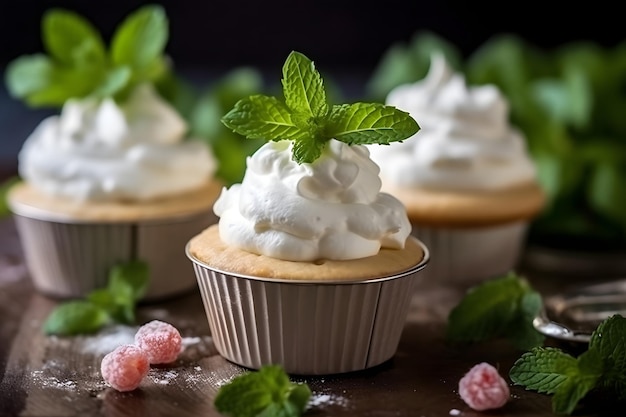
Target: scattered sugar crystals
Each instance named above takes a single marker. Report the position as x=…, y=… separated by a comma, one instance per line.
x=41, y=378
x=325, y=399
x=163, y=377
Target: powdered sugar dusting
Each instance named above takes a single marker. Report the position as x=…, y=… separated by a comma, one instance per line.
x=162, y=377
x=325, y=399
x=189, y=341
x=108, y=339
x=42, y=379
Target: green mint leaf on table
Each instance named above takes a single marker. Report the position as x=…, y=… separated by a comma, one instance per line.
x=114, y=303
x=75, y=317
x=266, y=392
x=602, y=367
x=77, y=63
x=129, y=280
x=127, y=284
x=306, y=118
x=499, y=308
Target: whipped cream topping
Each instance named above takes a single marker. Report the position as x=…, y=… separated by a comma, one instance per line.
x=97, y=150
x=465, y=141
x=329, y=209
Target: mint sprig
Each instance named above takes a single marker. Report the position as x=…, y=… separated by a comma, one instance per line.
x=266, y=392
x=114, y=303
x=77, y=63
x=500, y=308
x=307, y=119
x=602, y=367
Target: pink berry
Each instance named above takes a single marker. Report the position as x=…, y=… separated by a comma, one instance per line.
x=482, y=388
x=160, y=341
x=125, y=367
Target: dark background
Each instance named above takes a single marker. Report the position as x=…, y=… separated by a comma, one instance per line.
x=346, y=36
x=344, y=33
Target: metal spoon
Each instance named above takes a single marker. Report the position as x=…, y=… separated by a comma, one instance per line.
x=574, y=315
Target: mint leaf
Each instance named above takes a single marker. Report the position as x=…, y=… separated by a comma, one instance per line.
x=28, y=74
x=266, y=392
x=114, y=303
x=141, y=38
x=303, y=86
x=261, y=117
x=550, y=371
x=63, y=84
x=570, y=392
x=307, y=148
x=369, y=123
x=543, y=369
x=129, y=280
x=127, y=284
x=113, y=82
x=609, y=339
x=104, y=299
x=492, y=309
x=75, y=317
x=304, y=118
x=71, y=39
x=521, y=331
x=601, y=367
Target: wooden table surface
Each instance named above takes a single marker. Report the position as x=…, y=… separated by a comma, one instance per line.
x=59, y=376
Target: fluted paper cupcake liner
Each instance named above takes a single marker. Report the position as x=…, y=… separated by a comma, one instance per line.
x=308, y=328
x=469, y=256
x=68, y=260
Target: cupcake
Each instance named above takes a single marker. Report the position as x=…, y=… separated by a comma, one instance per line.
x=310, y=266
x=466, y=179
x=111, y=178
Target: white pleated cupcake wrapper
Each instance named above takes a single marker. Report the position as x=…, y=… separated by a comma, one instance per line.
x=470, y=256
x=309, y=329
x=68, y=260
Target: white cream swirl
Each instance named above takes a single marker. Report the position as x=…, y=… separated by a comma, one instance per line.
x=465, y=142
x=329, y=209
x=96, y=150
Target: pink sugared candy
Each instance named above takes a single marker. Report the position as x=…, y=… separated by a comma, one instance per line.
x=160, y=341
x=125, y=367
x=482, y=388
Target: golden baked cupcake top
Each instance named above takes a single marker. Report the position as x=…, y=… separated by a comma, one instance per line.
x=208, y=248
x=25, y=199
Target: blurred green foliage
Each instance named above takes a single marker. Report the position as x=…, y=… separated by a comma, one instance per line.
x=77, y=62
x=230, y=148
x=570, y=102
x=5, y=185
